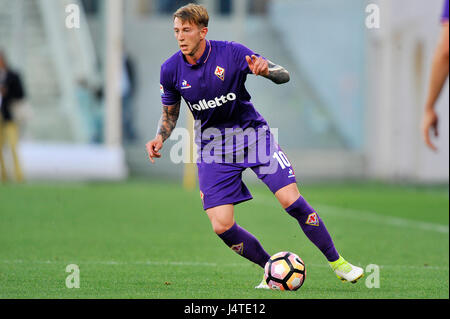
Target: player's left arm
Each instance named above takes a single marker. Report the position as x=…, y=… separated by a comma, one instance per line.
x=267, y=69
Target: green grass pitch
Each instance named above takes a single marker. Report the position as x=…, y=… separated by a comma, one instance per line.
x=152, y=240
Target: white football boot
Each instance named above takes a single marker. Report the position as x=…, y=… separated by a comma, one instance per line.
x=262, y=284
x=345, y=271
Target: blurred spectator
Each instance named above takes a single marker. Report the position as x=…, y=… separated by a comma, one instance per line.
x=127, y=87
x=90, y=104
x=91, y=7
x=258, y=7
x=11, y=90
x=439, y=75
x=225, y=7
x=170, y=6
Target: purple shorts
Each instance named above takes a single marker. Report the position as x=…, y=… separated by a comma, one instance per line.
x=220, y=182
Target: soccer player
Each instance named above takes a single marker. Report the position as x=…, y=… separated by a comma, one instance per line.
x=439, y=74
x=11, y=91
x=210, y=76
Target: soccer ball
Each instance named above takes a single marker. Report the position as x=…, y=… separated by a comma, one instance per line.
x=285, y=271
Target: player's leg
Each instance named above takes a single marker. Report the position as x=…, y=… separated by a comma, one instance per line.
x=277, y=173
x=12, y=135
x=234, y=236
x=314, y=228
x=310, y=222
x=2, y=162
x=282, y=182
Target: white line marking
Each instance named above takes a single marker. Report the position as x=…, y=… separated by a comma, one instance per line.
x=384, y=219
x=194, y=264
x=365, y=216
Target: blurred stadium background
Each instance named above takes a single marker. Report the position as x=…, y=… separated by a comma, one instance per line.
x=349, y=116
x=352, y=109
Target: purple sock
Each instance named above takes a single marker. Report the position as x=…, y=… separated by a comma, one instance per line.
x=245, y=244
x=313, y=227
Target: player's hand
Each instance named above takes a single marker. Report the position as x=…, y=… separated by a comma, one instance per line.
x=430, y=123
x=258, y=65
x=153, y=148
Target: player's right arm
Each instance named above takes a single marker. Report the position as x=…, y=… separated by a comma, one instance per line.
x=166, y=124
x=171, y=101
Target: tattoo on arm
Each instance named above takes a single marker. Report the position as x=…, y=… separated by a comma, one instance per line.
x=168, y=120
x=277, y=73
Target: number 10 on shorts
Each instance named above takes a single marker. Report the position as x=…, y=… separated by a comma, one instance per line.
x=282, y=159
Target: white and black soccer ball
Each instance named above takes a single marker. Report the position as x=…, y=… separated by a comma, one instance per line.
x=285, y=271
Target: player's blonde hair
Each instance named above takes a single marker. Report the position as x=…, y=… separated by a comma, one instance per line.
x=193, y=13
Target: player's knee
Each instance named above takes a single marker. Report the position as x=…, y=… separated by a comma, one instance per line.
x=285, y=203
x=221, y=218
x=219, y=227
x=287, y=195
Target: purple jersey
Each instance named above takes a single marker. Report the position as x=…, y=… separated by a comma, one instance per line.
x=213, y=88
x=444, y=16
x=215, y=93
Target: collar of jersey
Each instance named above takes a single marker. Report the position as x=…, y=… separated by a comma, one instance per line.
x=202, y=59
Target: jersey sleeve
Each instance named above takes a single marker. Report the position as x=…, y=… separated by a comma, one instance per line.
x=239, y=53
x=444, y=16
x=169, y=93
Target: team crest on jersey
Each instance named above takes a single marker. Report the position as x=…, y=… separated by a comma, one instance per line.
x=291, y=173
x=185, y=85
x=312, y=220
x=220, y=72
x=239, y=248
